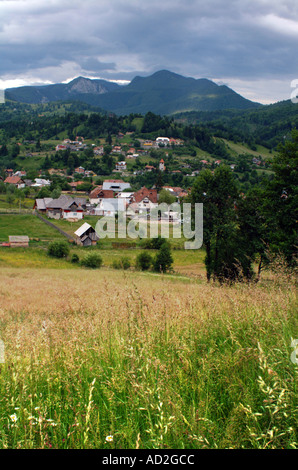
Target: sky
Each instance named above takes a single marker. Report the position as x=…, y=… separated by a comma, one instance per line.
x=248, y=45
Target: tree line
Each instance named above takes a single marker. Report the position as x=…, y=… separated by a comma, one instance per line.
x=241, y=230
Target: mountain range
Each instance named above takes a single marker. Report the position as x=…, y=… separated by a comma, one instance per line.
x=164, y=93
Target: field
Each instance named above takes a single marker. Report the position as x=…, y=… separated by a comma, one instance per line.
x=155, y=361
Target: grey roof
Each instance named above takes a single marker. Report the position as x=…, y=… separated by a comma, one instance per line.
x=110, y=204
x=64, y=202
x=42, y=204
x=19, y=238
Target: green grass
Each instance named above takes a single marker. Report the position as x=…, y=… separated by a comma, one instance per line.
x=27, y=203
x=26, y=224
x=240, y=149
x=155, y=364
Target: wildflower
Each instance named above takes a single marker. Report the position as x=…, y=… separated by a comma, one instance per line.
x=109, y=438
x=14, y=418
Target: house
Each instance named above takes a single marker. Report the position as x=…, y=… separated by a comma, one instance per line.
x=20, y=173
x=66, y=207
x=80, y=170
x=16, y=181
x=86, y=235
x=75, y=184
x=98, y=150
x=147, y=143
x=110, y=207
x=149, y=168
x=146, y=199
x=120, y=166
x=125, y=196
x=98, y=194
x=60, y=147
x=41, y=204
x=162, y=140
x=9, y=172
x=115, y=185
x=40, y=183
x=18, y=241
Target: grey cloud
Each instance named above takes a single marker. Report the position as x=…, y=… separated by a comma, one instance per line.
x=119, y=39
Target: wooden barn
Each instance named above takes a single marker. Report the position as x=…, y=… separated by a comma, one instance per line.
x=86, y=235
x=18, y=241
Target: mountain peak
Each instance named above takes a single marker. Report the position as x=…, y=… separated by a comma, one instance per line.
x=163, y=92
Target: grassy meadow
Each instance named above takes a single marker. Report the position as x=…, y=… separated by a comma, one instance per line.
x=156, y=361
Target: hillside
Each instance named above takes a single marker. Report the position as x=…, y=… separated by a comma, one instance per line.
x=162, y=93
x=266, y=126
x=77, y=89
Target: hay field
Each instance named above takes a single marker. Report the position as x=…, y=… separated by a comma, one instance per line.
x=155, y=361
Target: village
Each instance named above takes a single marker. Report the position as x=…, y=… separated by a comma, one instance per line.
x=123, y=175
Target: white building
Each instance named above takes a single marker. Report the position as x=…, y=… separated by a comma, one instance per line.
x=110, y=207
x=115, y=185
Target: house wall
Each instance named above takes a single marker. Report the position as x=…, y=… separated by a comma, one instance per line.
x=73, y=215
x=53, y=214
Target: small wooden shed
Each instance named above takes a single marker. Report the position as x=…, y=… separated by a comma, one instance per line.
x=86, y=235
x=18, y=241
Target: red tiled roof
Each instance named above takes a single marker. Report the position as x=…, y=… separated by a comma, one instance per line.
x=13, y=180
x=101, y=193
x=151, y=194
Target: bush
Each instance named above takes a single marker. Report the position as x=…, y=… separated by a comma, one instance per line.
x=58, y=249
x=144, y=261
x=123, y=263
x=75, y=258
x=153, y=243
x=116, y=264
x=163, y=260
x=93, y=260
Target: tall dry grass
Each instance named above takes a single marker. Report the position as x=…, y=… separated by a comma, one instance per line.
x=152, y=361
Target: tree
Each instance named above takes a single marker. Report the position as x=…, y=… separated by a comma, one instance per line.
x=10, y=198
x=166, y=197
x=218, y=193
x=44, y=192
x=144, y=261
x=159, y=181
x=280, y=201
x=58, y=249
x=56, y=193
x=163, y=260
x=93, y=260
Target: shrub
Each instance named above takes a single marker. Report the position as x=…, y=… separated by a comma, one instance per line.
x=144, y=261
x=153, y=243
x=123, y=263
x=163, y=260
x=75, y=258
x=58, y=249
x=93, y=260
x=116, y=264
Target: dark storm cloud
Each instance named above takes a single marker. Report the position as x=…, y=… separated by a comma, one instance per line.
x=239, y=41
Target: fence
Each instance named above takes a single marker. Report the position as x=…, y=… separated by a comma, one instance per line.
x=16, y=211
x=54, y=226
